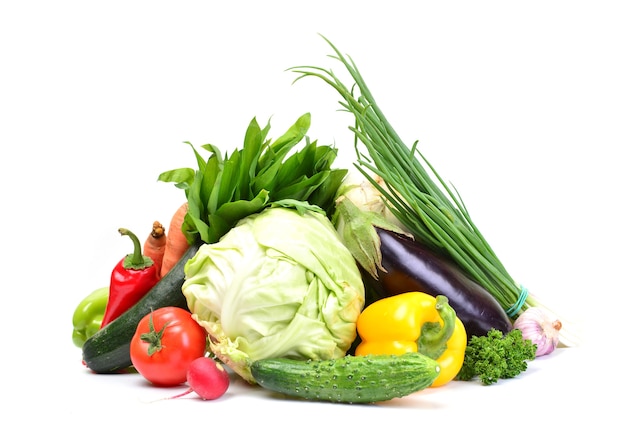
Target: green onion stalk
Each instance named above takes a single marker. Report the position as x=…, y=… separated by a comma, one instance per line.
x=417, y=195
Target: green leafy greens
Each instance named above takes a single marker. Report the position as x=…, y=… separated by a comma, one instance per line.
x=496, y=356
x=226, y=188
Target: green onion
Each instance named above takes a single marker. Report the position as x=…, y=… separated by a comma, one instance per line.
x=430, y=209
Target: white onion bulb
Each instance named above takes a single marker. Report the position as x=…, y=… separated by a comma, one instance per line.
x=539, y=328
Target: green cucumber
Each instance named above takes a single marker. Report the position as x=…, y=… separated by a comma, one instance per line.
x=108, y=350
x=351, y=379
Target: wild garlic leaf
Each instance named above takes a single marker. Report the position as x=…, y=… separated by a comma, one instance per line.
x=228, y=187
x=181, y=177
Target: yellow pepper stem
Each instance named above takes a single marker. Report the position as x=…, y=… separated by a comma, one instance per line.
x=434, y=336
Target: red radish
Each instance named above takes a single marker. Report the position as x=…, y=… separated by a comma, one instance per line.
x=208, y=378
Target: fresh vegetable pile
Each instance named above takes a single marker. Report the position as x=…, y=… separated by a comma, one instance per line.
x=313, y=281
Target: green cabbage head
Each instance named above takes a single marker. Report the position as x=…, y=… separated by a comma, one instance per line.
x=278, y=284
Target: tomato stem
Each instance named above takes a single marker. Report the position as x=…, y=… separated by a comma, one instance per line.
x=153, y=337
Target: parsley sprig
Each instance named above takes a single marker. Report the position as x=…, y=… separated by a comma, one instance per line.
x=496, y=356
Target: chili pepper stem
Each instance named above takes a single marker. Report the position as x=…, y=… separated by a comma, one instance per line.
x=135, y=260
x=434, y=337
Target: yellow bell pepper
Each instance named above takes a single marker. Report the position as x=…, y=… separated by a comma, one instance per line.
x=414, y=322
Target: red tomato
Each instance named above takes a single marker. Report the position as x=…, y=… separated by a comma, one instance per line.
x=165, y=343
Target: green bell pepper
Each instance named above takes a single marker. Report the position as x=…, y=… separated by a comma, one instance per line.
x=88, y=315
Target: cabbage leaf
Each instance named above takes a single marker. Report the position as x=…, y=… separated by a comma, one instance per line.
x=278, y=284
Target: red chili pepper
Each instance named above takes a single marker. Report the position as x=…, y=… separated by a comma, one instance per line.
x=131, y=279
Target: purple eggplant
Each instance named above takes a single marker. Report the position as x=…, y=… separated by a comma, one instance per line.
x=409, y=266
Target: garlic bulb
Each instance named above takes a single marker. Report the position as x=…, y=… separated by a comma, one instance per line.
x=539, y=328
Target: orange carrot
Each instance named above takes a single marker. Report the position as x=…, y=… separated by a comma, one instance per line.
x=154, y=246
x=176, y=243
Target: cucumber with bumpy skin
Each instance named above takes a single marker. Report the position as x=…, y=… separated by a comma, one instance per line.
x=351, y=379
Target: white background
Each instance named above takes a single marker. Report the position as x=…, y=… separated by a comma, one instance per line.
x=521, y=105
